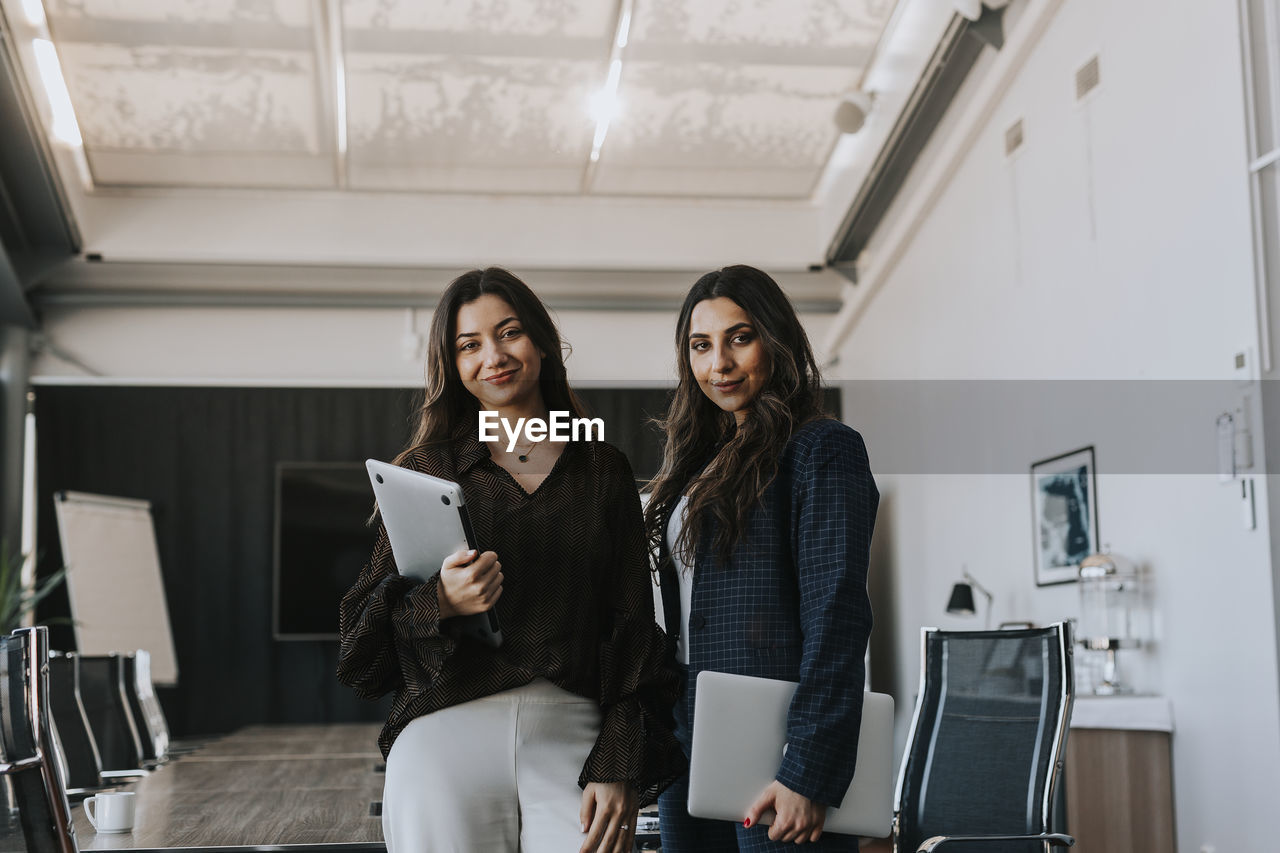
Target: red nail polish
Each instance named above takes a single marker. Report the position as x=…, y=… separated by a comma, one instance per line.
x=747, y=822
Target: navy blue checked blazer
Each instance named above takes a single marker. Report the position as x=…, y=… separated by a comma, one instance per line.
x=792, y=603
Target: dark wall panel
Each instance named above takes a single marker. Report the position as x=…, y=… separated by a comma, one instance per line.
x=206, y=459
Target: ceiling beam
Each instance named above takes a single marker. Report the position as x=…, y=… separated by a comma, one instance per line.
x=37, y=231
x=869, y=275
x=947, y=70
x=89, y=284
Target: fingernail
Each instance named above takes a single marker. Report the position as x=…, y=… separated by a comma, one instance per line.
x=747, y=822
x=582, y=827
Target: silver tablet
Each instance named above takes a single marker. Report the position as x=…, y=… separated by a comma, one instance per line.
x=739, y=737
x=426, y=520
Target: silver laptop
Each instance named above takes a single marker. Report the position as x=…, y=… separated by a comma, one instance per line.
x=739, y=735
x=427, y=520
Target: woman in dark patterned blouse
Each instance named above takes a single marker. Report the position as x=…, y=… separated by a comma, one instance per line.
x=762, y=512
x=487, y=748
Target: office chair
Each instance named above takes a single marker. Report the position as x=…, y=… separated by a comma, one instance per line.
x=148, y=715
x=106, y=706
x=81, y=763
x=28, y=765
x=987, y=743
x=144, y=709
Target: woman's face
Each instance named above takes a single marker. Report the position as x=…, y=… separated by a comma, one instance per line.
x=497, y=361
x=726, y=355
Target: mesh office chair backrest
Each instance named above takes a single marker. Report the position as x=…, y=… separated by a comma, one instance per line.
x=81, y=752
x=129, y=682
x=987, y=736
x=108, y=711
x=43, y=820
x=152, y=715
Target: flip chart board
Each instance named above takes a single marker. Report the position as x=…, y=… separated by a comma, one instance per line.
x=114, y=580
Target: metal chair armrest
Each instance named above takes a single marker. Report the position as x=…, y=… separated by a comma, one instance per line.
x=9, y=768
x=1057, y=839
x=121, y=777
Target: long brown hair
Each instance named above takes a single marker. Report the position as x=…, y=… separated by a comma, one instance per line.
x=746, y=458
x=449, y=409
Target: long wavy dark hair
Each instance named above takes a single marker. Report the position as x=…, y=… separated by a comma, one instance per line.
x=697, y=430
x=449, y=409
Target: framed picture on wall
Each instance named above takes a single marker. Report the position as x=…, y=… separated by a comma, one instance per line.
x=1064, y=500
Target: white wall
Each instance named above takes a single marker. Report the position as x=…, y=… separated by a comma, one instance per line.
x=1115, y=246
x=283, y=346
x=448, y=231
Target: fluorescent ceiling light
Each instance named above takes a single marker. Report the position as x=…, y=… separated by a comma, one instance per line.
x=604, y=105
x=624, y=27
x=65, y=127
x=34, y=10
x=338, y=68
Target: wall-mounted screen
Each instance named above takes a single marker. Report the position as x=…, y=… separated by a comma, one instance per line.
x=321, y=544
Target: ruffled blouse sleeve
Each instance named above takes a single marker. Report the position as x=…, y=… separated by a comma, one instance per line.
x=388, y=622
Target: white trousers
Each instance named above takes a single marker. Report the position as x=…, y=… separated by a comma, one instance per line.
x=491, y=775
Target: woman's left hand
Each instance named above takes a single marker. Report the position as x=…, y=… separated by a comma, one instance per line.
x=799, y=818
x=608, y=817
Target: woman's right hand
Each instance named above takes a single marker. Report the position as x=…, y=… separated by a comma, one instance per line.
x=468, y=584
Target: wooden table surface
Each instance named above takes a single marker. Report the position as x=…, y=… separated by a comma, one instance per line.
x=263, y=786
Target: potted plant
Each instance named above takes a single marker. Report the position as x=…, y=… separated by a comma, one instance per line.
x=15, y=600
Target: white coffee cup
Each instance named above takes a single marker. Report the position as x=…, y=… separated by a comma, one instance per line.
x=110, y=812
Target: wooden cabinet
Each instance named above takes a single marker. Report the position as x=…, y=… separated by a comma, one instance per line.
x=1119, y=781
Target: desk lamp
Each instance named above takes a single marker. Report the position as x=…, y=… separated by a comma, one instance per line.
x=961, y=603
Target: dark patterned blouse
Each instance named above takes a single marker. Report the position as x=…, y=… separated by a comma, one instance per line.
x=576, y=608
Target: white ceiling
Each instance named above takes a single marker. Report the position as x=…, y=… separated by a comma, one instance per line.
x=212, y=134
x=719, y=98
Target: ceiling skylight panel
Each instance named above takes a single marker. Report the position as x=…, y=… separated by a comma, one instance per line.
x=735, y=97
x=768, y=125
x=195, y=92
x=285, y=13
x=488, y=124
x=170, y=99
x=808, y=24
x=590, y=19
x=472, y=95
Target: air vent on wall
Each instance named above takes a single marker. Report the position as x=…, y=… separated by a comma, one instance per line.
x=1087, y=78
x=1013, y=138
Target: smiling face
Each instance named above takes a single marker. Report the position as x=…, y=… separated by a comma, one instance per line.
x=496, y=360
x=726, y=355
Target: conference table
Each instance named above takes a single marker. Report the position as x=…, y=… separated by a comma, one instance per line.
x=259, y=788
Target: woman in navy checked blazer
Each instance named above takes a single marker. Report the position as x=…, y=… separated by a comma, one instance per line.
x=762, y=513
